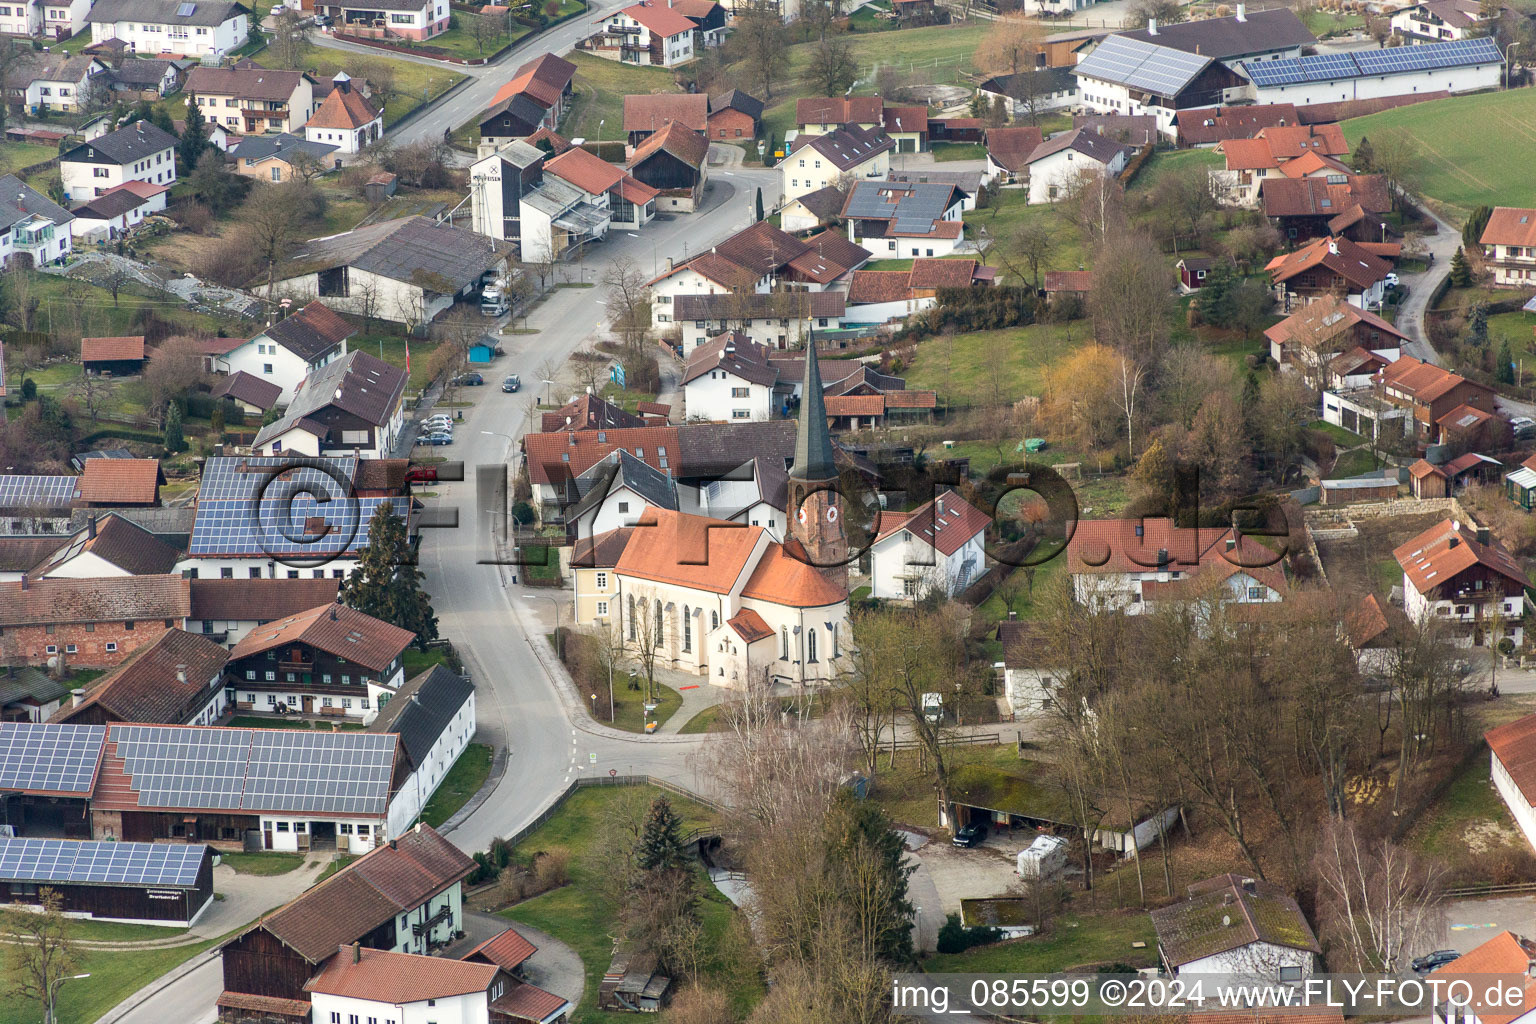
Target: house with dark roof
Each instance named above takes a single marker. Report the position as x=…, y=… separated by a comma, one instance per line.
x=515, y=116
x=893, y=219
x=284, y=353
x=117, y=211
x=106, y=547
x=588, y=412
x=279, y=157
x=177, y=680
x=1330, y=332
x=433, y=713
x=1464, y=579
x=1125, y=74
x=345, y=119
x=1034, y=91
x=814, y=210
x=1206, y=127
x=815, y=161
x=1275, y=34
x=614, y=493
x=409, y=270
x=55, y=83
x=731, y=378
x=135, y=152
x=28, y=694
x=644, y=33
x=354, y=404
x=252, y=394
x=880, y=296
x=146, y=78
x=1237, y=926
x=1329, y=266
x=34, y=230
x=112, y=357
x=543, y=83
x=734, y=116
x=672, y=162
x=403, y=897
x=227, y=610
x=1058, y=163
x=936, y=547
x=206, y=27
x=250, y=99
x=1008, y=151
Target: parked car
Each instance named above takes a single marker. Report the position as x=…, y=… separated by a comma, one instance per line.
x=470, y=379
x=421, y=474
x=1523, y=426
x=1391, y=280
x=511, y=383
x=971, y=835
x=435, y=437
x=1434, y=961
x=440, y=420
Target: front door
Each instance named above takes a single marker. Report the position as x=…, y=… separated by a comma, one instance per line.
x=309, y=704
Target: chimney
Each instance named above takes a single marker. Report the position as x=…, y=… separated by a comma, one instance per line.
x=1483, y=535
x=357, y=952
x=1242, y=12
x=415, y=698
x=25, y=582
x=1453, y=542
x=669, y=262
x=1013, y=616
x=77, y=697
x=1162, y=558
x=21, y=201
x=181, y=673
x=1151, y=26
x=333, y=613
x=90, y=526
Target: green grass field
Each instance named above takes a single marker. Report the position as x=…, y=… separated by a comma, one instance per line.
x=263, y=863
x=463, y=781
x=460, y=43
x=1323, y=23
x=1470, y=149
x=1011, y=208
x=1470, y=805
x=1160, y=164
x=704, y=721
x=114, y=976
x=416, y=83
x=601, y=86
x=1023, y=353
x=1075, y=940
x=16, y=155
x=629, y=708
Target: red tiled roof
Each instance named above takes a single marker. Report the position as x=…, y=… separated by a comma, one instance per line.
x=507, y=950
x=275, y=1005
x=542, y=79
x=101, y=350
x=854, y=405
x=66, y=600
x=120, y=481
x=870, y=286
x=1291, y=141
x=1068, y=280
x=1444, y=551
x=386, y=977
x=528, y=1002
x=147, y=687
x=1423, y=382
x=911, y=399
x=783, y=579
x=947, y=531
x=1339, y=255
x=840, y=110
x=335, y=629
x=589, y=412
x=689, y=551
x=937, y=273
x=584, y=170
x=749, y=626
x=1106, y=546
x=662, y=21
x=677, y=139
x=1365, y=622
x=1351, y=315
x=1510, y=225
x=1424, y=468
x=553, y=454
x=1310, y=163
x=1247, y=154
x=1462, y=417
x=343, y=110
x=647, y=112
x=1506, y=954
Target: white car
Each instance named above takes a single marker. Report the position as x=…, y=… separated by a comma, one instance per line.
x=1523, y=427
x=440, y=420
x=1391, y=280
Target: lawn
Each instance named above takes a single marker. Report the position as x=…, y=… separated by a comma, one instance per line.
x=1341, y=437
x=1323, y=23
x=1469, y=809
x=263, y=863
x=945, y=151
x=1032, y=599
x=69, y=304
x=463, y=781
x=115, y=975
x=391, y=349
x=629, y=708
x=1020, y=354
x=1469, y=149
x=1352, y=463
x=704, y=721
x=114, y=931
x=1515, y=328
x=1161, y=164
x=576, y=914
x=417, y=661
x=1010, y=208
x=415, y=84
x=16, y=155
x=460, y=43
x=1075, y=940
x=601, y=86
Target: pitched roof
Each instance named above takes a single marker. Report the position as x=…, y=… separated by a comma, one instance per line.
x=1461, y=418
x=1106, y=546
x=1290, y=141
x=815, y=459
x=589, y=412
x=343, y=109
x=1225, y=38
x=561, y=455
x=422, y=709
x=601, y=551
x=311, y=333
x=57, y=601
x=839, y=110
x=387, y=977
x=206, y=13
x=94, y=350
x=1340, y=255
x=508, y=950
x=586, y=171
x=783, y=579
x=405, y=250
x=119, y=542
x=22, y=554
x=736, y=354
x=1330, y=323
x=366, y=893
x=942, y=273
x=282, y=147
x=358, y=383
x=688, y=551
x=522, y=109
x=141, y=72
x=737, y=100
x=1227, y=913
x=660, y=20
x=1200, y=127
x=126, y=145
x=248, y=388
x=1133, y=129
x=724, y=305
x=1083, y=141
x=1506, y=955
x=112, y=203
x=648, y=112
x=824, y=203
x=23, y=201
x=749, y=625
x=58, y=67
x=1010, y=148
x=161, y=682
x=762, y=249
x=1423, y=382
x=528, y=1002
x=1318, y=197
x=1068, y=281
x=542, y=79
x=1444, y=551
x=622, y=470
x=675, y=138
x=260, y=600
x=1510, y=225
x=909, y=209
x=124, y=481
x=872, y=286
x=335, y=629
x=1247, y=154
x=245, y=81
x=947, y=530
x=1311, y=163
x=849, y=147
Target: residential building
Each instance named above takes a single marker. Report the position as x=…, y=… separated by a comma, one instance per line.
x=147, y=78
x=615, y=493
x=816, y=161
x=1513, y=759
x=131, y=883
x=1319, y=333
x=1236, y=926
x=1319, y=207
x=1035, y=91
x=227, y=610
x=1466, y=581
x=1275, y=34
x=28, y=694
x=515, y=116
x=412, y=20
x=51, y=19
x=1329, y=267
x=708, y=19
x=880, y=296
x=822, y=115
x=345, y=119
x=286, y=352
x=510, y=951
x=1509, y=246
x=371, y=984
x=91, y=626
x=644, y=33
x=58, y=83
x=1008, y=153
x=646, y=114
x=279, y=158
x=353, y=404
x=407, y=270
x=112, y=357
x=1252, y=162
x=1057, y=164
x=893, y=219
x=200, y=29
x=672, y=162
x=780, y=320
x=730, y=378
x=537, y=97
x=433, y=713
x=34, y=230
x=734, y=116
x=1140, y=76
x=814, y=210
x=1466, y=65
x=250, y=99
x=588, y=412
x=177, y=680
x=937, y=547
x=117, y=211
x=630, y=203
x=593, y=558
x=111, y=546
x=1430, y=393
x=1132, y=130
x=1206, y=127
x=907, y=128
x=253, y=395
x=1112, y=562
x=136, y=152
x=759, y=260
x=1442, y=20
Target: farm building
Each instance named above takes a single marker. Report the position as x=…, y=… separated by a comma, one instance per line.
x=1366, y=488
x=1465, y=65
x=112, y=357
x=136, y=883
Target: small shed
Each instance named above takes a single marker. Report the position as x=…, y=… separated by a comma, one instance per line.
x=1520, y=485
x=1366, y=488
x=166, y=884
x=112, y=357
x=631, y=984
x=1075, y=283
x=380, y=187
x=481, y=355
x=1193, y=271
x=1427, y=480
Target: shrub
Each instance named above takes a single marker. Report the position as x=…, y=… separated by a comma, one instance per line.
x=955, y=937
x=551, y=869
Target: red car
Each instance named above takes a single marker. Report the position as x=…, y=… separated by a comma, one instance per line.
x=421, y=474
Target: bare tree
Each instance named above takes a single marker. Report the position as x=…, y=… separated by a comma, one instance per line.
x=590, y=368
x=290, y=44
x=832, y=69
x=1012, y=45
x=1131, y=289
x=45, y=956
x=15, y=56
x=1380, y=902
x=628, y=305
x=94, y=392
x=115, y=277
x=1027, y=250
x=365, y=299
x=270, y=226
x=1130, y=379
x=306, y=166
x=175, y=368
x=1186, y=199
x=760, y=42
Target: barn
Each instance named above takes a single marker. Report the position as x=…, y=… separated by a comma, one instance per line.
x=137, y=883
x=112, y=357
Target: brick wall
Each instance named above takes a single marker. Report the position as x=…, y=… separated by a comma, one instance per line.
x=29, y=644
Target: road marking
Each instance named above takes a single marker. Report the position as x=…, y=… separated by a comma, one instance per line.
x=695, y=686
x=631, y=234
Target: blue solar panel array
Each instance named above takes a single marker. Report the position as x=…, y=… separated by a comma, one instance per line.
x=36, y=757
x=1366, y=63
x=1142, y=65
x=230, y=478
x=54, y=861
x=26, y=491
x=293, y=526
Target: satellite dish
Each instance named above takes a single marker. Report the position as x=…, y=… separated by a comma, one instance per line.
x=1226, y=920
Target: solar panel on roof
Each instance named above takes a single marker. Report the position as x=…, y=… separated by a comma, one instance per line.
x=1360, y=63
x=38, y=757
x=185, y=10
x=300, y=528
x=24, y=491
x=42, y=861
x=230, y=478
x=1142, y=65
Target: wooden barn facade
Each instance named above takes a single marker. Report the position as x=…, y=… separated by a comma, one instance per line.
x=138, y=883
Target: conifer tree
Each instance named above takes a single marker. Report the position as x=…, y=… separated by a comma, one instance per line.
x=386, y=583
x=1461, y=270
x=661, y=844
x=174, y=441
x=194, y=141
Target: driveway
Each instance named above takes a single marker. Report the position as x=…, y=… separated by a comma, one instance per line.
x=1441, y=246
x=244, y=898
x=1470, y=923
x=963, y=874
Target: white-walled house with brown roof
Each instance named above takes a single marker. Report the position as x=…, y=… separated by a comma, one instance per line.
x=1125, y=564
x=248, y=98
x=1509, y=246
x=937, y=546
x=729, y=378
x=1513, y=763
x=286, y=352
x=1463, y=579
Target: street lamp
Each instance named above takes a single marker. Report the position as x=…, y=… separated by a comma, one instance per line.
x=53, y=992
x=559, y=647
x=548, y=394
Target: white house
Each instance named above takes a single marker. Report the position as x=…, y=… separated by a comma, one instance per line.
x=32, y=226
x=616, y=492
x=1463, y=579
x=1237, y=926
x=360, y=984
x=1058, y=162
x=250, y=99
x=117, y=211
x=779, y=320
x=1506, y=955
x=1513, y=747
x=651, y=32
x=188, y=28
x=61, y=83
x=817, y=161
x=1440, y=21
x=109, y=546
x=286, y=352
x=345, y=119
x=354, y=405
x=937, y=546
x=227, y=610
x=136, y=152
x=417, y=20
x=433, y=713
x=729, y=378
x=904, y=218
x=1112, y=562
x=628, y=202
x=1466, y=65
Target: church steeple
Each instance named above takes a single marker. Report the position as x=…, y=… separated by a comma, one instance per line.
x=813, y=444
